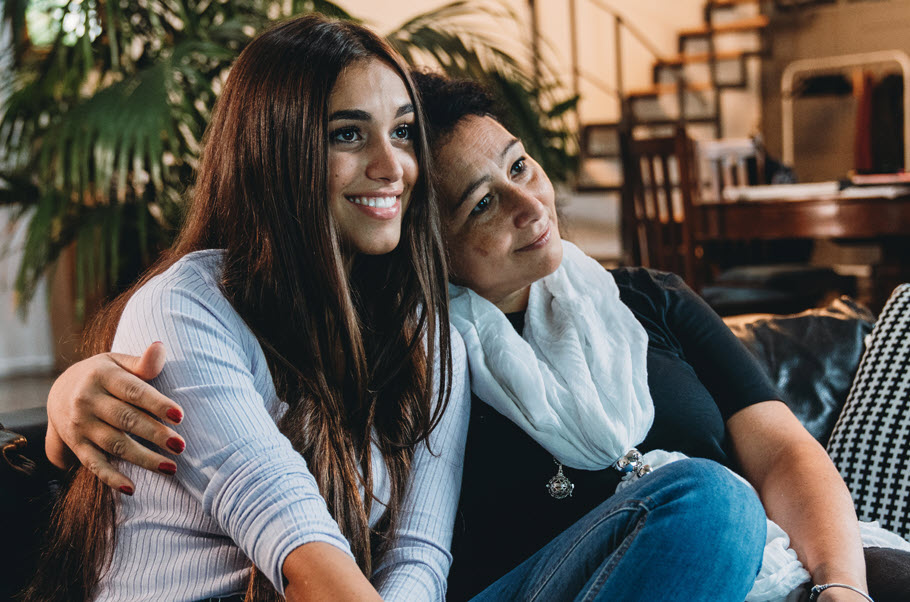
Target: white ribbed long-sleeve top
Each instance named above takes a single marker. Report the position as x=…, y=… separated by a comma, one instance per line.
x=241, y=492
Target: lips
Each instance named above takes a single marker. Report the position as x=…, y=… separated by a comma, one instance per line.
x=382, y=202
x=538, y=242
x=377, y=206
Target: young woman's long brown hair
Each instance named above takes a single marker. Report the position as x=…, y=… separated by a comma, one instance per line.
x=261, y=195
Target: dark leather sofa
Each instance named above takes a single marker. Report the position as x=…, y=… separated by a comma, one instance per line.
x=812, y=357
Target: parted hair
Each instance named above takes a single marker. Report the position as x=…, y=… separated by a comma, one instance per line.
x=354, y=354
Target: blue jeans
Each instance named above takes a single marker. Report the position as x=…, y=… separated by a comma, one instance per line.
x=689, y=531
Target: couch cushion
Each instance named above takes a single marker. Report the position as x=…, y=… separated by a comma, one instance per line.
x=871, y=443
x=811, y=357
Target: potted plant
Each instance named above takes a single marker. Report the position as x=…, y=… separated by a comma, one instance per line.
x=101, y=129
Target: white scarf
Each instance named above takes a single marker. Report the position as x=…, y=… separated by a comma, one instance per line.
x=577, y=382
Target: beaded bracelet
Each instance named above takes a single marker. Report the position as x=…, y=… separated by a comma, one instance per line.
x=818, y=589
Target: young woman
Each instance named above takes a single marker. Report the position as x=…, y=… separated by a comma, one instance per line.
x=299, y=307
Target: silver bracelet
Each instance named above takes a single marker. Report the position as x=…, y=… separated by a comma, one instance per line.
x=818, y=589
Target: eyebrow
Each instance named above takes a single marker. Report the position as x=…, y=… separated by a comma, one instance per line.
x=360, y=115
x=484, y=179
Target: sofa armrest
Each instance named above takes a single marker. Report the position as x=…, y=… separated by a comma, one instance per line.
x=811, y=357
x=26, y=499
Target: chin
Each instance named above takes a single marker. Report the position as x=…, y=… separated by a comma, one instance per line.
x=378, y=247
x=555, y=258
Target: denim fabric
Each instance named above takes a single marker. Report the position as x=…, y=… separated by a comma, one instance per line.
x=689, y=531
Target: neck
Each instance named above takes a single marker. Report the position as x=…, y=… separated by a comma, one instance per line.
x=517, y=301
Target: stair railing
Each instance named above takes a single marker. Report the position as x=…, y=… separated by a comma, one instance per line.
x=620, y=23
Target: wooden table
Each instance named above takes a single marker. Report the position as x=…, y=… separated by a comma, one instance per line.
x=832, y=217
x=882, y=220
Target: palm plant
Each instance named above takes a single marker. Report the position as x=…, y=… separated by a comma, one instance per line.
x=102, y=126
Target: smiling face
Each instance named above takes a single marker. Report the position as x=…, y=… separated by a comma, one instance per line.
x=499, y=213
x=371, y=158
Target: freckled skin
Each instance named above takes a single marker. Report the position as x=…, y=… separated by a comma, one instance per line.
x=499, y=213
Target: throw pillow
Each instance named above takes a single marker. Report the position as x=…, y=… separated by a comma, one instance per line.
x=870, y=444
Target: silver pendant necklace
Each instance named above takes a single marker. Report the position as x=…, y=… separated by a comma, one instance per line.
x=631, y=465
x=560, y=486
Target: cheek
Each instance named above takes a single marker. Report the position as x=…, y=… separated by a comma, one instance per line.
x=543, y=190
x=409, y=168
x=336, y=176
x=475, y=259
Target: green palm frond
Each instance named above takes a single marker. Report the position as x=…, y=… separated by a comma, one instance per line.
x=100, y=130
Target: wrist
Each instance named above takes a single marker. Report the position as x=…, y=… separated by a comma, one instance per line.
x=836, y=592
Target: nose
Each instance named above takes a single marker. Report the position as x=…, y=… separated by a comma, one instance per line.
x=525, y=207
x=385, y=162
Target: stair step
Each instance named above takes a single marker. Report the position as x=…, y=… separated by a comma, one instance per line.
x=749, y=24
x=612, y=126
x=700, y=57
x=592, y=187
x=729, y=3
x=668, y=88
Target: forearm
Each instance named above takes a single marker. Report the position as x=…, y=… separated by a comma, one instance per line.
x=320, y=571
x=804, y=494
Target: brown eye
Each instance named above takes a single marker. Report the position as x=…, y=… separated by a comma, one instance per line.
x=403, y=132
x=482, y=205
x=518, y=167
x=346, y=134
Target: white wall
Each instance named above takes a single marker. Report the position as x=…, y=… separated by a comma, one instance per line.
x=659, y=20
x=25, y=345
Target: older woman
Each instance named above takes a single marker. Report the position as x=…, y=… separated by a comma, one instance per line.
x=573, y=368
x=552, y=388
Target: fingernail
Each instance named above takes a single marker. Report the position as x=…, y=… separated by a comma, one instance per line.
x=168, y=468
x=175, y=445
x=174, y=414
x=127, y=489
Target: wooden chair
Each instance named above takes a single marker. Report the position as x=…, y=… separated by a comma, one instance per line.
x=662, y=184
x=662, y=188
x=726, y=162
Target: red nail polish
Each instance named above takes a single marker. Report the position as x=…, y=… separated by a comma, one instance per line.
x=175, y=415
x=126, y=489
x=175, y=445
x=168, y=468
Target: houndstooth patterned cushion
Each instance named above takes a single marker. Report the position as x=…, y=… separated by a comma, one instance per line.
x=870, y=444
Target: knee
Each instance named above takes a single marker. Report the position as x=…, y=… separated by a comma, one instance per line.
x=724, y=509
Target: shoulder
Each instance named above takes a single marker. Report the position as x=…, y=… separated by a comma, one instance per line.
x=646, y=280
x=195, y=274
x=646, y=290
x=190, y=286
x=184, y=299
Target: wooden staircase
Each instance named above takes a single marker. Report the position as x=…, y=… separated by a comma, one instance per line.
x=710, y=60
